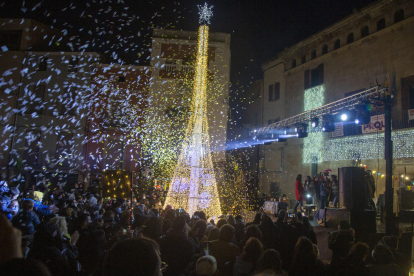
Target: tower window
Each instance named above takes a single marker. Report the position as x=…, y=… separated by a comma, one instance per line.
x=365, y=31
x=337, y=44
x=324, y=49
x=350, y=38
x=381, y=24
x=399, y=16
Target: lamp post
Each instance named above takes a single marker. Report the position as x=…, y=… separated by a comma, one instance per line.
x=389, y=191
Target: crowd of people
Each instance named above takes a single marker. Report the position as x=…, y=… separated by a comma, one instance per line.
x=76, y=232
x=323, y=190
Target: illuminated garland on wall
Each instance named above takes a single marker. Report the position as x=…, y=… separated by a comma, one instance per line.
x=313, y=145
x=193, y=186
x=369, y=146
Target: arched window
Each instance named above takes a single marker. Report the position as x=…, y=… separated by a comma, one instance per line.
x=365, y=31
x=324, y=49
x=337, y=44
x=313, y=54
x=293, y=63
x=399, y=16
x=350, y=38
x=381, y=24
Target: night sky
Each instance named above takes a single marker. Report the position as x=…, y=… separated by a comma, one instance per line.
x=122, y=28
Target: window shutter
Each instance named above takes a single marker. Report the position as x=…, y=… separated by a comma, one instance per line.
x=307, y=79
x=277, y=91
x=405, y=98
x=320, y=74
x=270, y=92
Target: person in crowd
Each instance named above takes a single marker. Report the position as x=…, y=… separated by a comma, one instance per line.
x=383, y=262
x=334, y=190
x=283, y=204
x=252, y=231
x=26, y=220
x=69, y=249
x=152, y=228
x=47, y=248
x=305, y=261
x=256, y=220
x=299, y=193
x=269, y=232
x=214, y=234
x=352, y=264
x=197, y=232
x=138, y=256
x=246, y=263
x=177, y=250
x=392, y=243
x=224, y=251
x=370, y=187
x=240, y=228
x=341, y=241
x=270, y=263
x=221, y=222
x=308, y=230
x=206, y=266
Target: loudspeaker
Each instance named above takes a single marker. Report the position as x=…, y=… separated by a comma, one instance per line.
x=117, y=184
x=352, y=189
x=406, y=199
x=363, y=222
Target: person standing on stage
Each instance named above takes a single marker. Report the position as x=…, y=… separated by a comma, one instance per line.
x=324, y=192
x=334, y=190
x=299, y=193
x=309, y=188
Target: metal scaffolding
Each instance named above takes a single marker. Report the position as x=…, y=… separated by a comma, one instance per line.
x=331, y=108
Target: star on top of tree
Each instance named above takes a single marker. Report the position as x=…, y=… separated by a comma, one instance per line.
x=205, y=13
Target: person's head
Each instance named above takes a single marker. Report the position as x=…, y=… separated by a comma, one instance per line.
x=304, y=250
x=281, y=216
x=171, y=214
x=359, y=251
x=333, y=178
x=61, y=224
x=306, y=223
x=28, y=205
x=226, y=233
x=69, y=211
x=299, y=216
x=299, y=177
x=231, y=220
x=252, y=250
x=391, y=242
x=221, y=222
x=152, y=228
x=122, y=259
x=308, y=179
x=253, y=231
x=382, y=254
x=179, y=223
x=270, y=260
x=166, y=225
x=199, y=228
x=214, y=234
x=206, y=266
x=83, y=221
x=30, y=267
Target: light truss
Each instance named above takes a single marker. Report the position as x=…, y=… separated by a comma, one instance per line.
x=331, y=108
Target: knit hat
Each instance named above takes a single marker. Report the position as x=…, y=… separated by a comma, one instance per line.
x=206, y=266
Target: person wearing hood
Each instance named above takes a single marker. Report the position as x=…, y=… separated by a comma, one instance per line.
x=341, y=241
x=176, y=248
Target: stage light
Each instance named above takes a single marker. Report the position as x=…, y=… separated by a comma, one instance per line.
x=279, y=139
x=308, y=195
x=302, y=133
x=344, y=117
x=362, y=118
x=328, y=127
x=402, y=175
x=315, y=122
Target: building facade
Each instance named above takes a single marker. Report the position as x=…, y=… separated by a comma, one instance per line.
x=173, y=54
x=372, y=46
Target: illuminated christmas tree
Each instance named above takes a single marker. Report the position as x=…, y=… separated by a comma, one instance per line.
x=193, y=186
